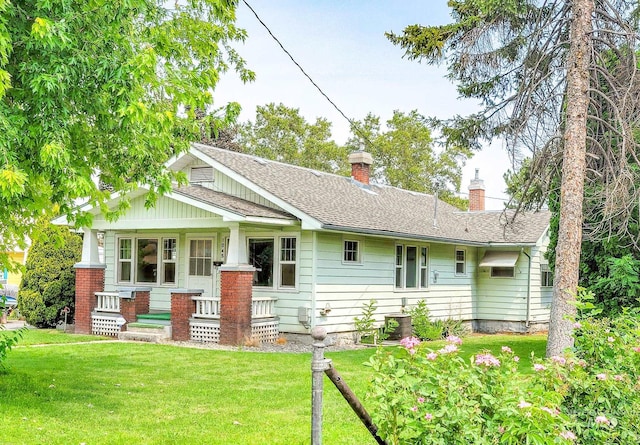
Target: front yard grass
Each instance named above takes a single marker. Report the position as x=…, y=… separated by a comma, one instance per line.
x=123, y=393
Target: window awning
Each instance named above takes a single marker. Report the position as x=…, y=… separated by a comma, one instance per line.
x=499, y=258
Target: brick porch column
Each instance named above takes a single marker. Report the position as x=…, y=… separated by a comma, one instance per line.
x=89, y=280
x=235, y=303
x=134, y=301
x=182, y=307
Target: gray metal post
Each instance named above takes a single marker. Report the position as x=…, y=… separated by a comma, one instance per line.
x=318, y=366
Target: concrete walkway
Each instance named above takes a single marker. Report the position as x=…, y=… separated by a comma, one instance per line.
x=12, y=325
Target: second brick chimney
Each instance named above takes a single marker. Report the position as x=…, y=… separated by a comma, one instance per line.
x=360, y=166
x=476, y=194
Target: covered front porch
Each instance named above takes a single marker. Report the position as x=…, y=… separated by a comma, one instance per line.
x=226, y=312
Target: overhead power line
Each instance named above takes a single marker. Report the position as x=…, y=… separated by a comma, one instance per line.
x=352, y=123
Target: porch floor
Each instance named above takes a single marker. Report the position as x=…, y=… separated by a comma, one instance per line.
x=155, y=316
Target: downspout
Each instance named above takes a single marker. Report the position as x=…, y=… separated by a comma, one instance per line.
x=527, y=321
x=314, y=270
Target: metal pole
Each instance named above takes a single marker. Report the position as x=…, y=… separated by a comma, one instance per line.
x=318, y=366
x=354, y=403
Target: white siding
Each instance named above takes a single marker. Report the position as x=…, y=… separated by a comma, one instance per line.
x=166, y=213
x=347, y=287
x=502, y=298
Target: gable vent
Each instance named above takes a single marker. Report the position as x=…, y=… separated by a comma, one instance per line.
x=202, y=174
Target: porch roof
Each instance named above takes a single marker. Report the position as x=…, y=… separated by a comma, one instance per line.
x=230, y=203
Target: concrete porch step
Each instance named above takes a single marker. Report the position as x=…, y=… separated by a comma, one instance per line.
x=148, y=332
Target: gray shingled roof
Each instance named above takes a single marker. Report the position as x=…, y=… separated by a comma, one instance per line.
x=341, y=203
x=231, y=203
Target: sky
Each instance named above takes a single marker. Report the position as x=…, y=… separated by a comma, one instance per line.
x=341, y=45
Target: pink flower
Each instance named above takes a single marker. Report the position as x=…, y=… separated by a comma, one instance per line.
x=414, y=408
x=602, y=420
x=601, y=376
x=501, y=429
x=636, y=349
x=454, y=340
x=576, y=325
x=448, y=349
x=559, y=360
x=410, y=342
x=553, y=412
x=516, y=358
x=568, y=435
x=487, y=360
x=618, y=377
x=432, y=356
x=523, y=404
x=611, y=339
x=420, y=399
x=507, y=349
x=538, y=367
x=428, y=416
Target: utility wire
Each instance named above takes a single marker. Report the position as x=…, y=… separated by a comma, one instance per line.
x=352, y=123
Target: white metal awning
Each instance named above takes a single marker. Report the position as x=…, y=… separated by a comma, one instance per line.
x=499, y=258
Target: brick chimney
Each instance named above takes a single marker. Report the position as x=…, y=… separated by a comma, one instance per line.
x=476, y=194
x=360, y=166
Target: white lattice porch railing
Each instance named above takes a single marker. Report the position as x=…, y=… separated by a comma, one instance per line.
x=263, y=307
x=209, y=307
x=206, y=307
x=107, y=302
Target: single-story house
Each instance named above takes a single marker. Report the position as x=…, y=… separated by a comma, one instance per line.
x=254, y=247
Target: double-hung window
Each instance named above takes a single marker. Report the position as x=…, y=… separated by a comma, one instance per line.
x=546, y=276
x=274, y=269
x=412, y=267
x=461, y=262
x=351, y=252
x=147, y=260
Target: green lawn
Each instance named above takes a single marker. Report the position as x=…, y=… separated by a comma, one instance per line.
x=136, y=393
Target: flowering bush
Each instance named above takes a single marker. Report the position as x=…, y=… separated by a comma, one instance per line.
x=589, y=396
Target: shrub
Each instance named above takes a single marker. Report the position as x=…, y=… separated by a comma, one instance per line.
x=421, y=396
x=48, y=283
x=365, y=324
x=425, y=329
x=589, y=396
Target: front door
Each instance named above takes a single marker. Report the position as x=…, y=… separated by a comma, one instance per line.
x=200, y=265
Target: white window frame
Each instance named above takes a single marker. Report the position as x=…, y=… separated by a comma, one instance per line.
x=134, y=259
x=359, y=248
x=421, y=269
x=283, y=251
x=278, y=262
x=545, y=271
x=463, y=262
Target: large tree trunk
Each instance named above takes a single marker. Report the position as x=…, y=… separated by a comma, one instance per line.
x=573, y=175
